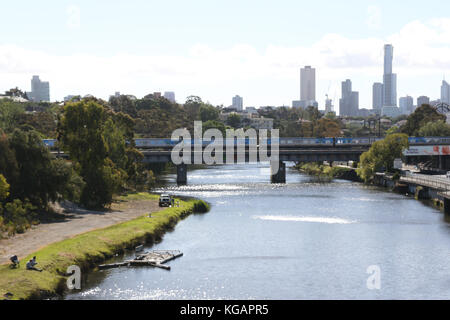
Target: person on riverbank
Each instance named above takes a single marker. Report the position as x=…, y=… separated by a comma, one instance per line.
x=15, y=261
x=31, y=265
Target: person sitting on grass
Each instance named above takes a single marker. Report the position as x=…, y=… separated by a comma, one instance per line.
x=31, y=265
x=15, y=261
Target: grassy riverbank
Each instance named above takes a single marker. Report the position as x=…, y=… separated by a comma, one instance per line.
x=327, y=173
x=89, y=249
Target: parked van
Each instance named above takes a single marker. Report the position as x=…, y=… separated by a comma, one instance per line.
x=165, y=200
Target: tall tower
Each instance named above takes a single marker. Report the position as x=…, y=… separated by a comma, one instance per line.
x=389, y=78
x=445, y=92
x=308, y=84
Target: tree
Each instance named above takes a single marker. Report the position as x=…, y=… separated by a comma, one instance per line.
x=419, y=118
x=435, y=129
x=4, y=188
x=381, y=156
x=86, y=133
x=208, y=112
x=327, y=128
x=9, y=112
x=211, y=124
x=16, y=92
x=234, y=120
x=192, y=107
x=124, y=104
x=38, y=179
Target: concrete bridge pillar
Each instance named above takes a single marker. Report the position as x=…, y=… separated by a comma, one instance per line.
x=182, y=174
x=280, y=175
x=447, y=207
x=441, y=163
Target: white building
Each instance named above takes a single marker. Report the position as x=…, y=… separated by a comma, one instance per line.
x=40, y=90
x=169, y=95
x=238, y=103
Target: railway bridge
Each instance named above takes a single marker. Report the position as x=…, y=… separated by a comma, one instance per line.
x=435, y=149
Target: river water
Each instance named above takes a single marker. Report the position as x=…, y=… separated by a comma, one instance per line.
x=302, y=240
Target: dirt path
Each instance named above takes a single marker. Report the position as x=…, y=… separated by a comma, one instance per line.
x=75, y=221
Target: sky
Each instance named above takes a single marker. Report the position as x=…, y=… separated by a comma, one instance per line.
x=217, y=49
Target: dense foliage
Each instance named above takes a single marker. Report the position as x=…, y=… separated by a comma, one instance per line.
x=419, y=118
x=30, y=179
x=381, y=156
x=110, y=162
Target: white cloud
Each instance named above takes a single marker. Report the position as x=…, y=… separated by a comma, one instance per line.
x=263, y=77
x=374, y=17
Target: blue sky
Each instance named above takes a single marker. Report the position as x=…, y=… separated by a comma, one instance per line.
x=217, y=49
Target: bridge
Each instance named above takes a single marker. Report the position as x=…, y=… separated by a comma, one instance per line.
x=290, y=149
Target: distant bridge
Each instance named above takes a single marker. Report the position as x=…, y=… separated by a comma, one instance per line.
x=290, y=149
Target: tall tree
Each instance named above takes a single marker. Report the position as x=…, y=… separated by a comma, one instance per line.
x=420, y=117
x=87, y=134
x=435, y=129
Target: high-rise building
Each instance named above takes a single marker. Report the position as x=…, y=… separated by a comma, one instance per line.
x=422, y=100
x=377, y=96
x=328, y=105
x=406, y=105
x=349, y=103
x=40, y=90
x=445, y=92
x=238, y=103
x=169, y=95
x=389, y=78
x=308, y=84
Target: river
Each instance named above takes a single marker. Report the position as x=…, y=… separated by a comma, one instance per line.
x=302, y=240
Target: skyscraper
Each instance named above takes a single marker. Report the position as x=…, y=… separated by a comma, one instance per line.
x=377, y=96
x=389, y=78
x=349, y=103
x=40, y=90
x=445, y=92
x=422, y=100
x=308, y=84
x=238, y=103
x=328, y=105
x=406, y=105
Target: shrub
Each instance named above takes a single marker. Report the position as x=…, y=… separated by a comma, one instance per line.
x=201, y=206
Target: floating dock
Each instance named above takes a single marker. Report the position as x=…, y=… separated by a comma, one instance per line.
x=155, y=258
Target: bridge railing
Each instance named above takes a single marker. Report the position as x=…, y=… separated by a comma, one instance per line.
x=429, y=181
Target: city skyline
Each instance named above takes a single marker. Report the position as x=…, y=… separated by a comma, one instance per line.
x=263, y=69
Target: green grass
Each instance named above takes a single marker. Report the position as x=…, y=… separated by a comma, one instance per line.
x=89, y=249
x=138, y=196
